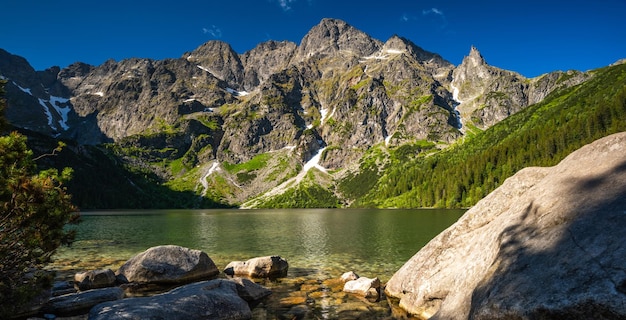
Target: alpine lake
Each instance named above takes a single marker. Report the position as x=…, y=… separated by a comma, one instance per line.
x=319, y=244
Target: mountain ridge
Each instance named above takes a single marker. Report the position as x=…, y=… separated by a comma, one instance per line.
x=335, y=95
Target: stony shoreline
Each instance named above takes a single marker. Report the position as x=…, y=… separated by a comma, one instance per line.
x=297, y=296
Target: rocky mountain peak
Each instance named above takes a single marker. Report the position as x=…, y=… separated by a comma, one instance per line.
x=19, y=71
x=219, y=59
x=473, y=67
x=475, y=56
x=474, y=59
x=489, y=94
x=332, y=36
x=397, y=44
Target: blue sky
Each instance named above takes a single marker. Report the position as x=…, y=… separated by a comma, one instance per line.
x=530, y=37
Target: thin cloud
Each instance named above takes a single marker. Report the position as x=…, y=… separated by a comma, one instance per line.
x=213, y=31
x=436, y=12
x=406, y=17
x=285, y=4
x=433, y=11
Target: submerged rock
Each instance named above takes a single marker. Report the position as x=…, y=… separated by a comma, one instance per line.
x=249, y=290
x=94, y=279
x=168, y=265
x=60, y=288
x=261, y=267
x=80, y=303
x=546, y=244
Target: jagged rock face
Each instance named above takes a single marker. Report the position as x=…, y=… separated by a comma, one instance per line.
x=138, y=95
x=264, y=60
x=35, y=101
x=268, y=121
x=332, y=36
x=488, y=95
x=220, y=60
x=542, y=245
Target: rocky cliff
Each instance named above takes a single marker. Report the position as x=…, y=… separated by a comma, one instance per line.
x=334, y=96
x=540, y=246
x=486, y=95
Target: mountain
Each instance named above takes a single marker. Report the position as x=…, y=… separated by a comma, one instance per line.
x=540, y=135
x=278, y=120
x=487, y=95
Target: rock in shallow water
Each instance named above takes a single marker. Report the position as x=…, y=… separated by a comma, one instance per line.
x=366, y=287
x=168, y=265
x=546, y=244
x=261, y=267
x=94, y=279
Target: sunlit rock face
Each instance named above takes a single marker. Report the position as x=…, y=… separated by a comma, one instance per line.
x=547, y=243
x=487, y=95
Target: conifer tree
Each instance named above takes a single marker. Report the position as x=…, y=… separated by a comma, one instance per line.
x=34, y=210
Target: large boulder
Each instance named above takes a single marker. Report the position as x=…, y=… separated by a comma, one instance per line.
x=168, y=265
x=547, y=244
x=261, y=267
x=214, y=299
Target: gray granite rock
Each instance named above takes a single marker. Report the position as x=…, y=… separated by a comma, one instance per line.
x=214, y=299
x=168, y=265
x=79, y=303
x=547, y=244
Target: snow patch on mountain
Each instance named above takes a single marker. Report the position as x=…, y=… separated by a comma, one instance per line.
x=325, y=115
x=62, y=111
x=280, y=189
x=46, y=110
x=206, y=69
x=382, y=55
x=455, y=93
x=388, y=139
x=458, y=102
x=55, y=103
x=314, y=162
x=27, y=90
x=203, y=181
x=237, y=93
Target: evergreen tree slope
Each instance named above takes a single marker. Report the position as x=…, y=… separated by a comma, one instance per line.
x=540, y=135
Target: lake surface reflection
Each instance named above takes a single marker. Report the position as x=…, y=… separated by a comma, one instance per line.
x=321, y=243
